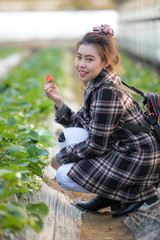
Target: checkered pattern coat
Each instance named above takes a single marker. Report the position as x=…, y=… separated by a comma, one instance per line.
x=114, y=163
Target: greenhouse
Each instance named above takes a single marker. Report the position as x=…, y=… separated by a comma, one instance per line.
x=41, y=42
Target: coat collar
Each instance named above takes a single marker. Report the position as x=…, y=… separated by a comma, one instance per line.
x=104, y=77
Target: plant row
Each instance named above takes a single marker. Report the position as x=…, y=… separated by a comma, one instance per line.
x=24, y=138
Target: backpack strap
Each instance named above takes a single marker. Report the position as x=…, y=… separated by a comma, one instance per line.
x=154, y=129
x=133, y=127
x=127, y=88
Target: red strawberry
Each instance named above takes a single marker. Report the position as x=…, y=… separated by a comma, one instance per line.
x=49, y=78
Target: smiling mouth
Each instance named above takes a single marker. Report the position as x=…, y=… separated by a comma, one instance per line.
x=82, y=73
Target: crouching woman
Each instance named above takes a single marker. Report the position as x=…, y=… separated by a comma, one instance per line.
x=119, y=165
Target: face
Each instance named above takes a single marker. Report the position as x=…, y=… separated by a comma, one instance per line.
x=88, y=62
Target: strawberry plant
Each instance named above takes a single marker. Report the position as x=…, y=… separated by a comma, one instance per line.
x=6, y=51
x=24, y=137
x=141, y=76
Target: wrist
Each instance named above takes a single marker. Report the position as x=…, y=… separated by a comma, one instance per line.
x=59, y=104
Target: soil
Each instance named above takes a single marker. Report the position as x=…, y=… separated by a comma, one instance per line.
x=100, y=225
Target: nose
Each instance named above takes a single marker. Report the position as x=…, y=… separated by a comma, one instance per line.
x=82, y=63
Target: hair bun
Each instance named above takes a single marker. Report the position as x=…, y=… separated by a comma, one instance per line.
x=105, y=29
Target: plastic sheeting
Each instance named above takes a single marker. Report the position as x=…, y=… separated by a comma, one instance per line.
x=145, y=223
x=62, y=222
x=139, y=28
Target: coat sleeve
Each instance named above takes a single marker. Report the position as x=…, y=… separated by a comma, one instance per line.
x=106, y=110
x=65, y=116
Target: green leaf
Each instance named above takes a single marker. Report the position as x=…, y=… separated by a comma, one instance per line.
x=15, y=209
x=2, y=120
x=16, y=168
x=4, y=172
x=32, y=149
x=34, y=135
x=7, y=135
x=35, y=160
x=11, y=121
x=42, y=152
x=15, y=149
x=44, y=132
x=38, y=226
x=23, y=164
x=38, y=209
x=34, y=168
x=13, y=223
x=2, y=189
x=22, y=127
x=31, y=113
x=32, y=83
x=25, y=139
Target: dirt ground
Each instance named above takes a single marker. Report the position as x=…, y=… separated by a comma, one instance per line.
x=100, y=225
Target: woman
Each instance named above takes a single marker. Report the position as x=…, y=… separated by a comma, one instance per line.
x=118, y=164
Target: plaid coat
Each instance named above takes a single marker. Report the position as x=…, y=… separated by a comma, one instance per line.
x=114, y=163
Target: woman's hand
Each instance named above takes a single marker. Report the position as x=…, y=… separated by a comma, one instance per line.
x=52, y=92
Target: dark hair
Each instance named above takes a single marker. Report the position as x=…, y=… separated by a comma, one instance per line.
x=107, y=47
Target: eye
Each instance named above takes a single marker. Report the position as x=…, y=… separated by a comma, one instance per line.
x=89, y=59
x=78, y=57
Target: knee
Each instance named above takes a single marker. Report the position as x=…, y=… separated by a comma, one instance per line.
x=62, y=177
x=60, y=174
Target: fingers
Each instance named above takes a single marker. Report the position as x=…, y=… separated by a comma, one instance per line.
x=48, y=90
x=48, y=84
x=51, y=91
x=48, y=87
